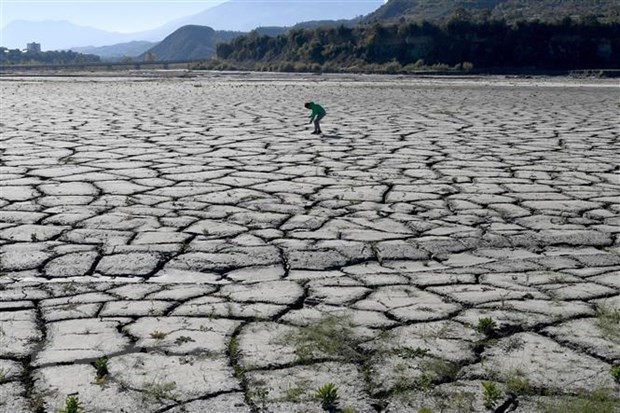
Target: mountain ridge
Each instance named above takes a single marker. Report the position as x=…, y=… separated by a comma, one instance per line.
x=509, y=10
x=233, y=15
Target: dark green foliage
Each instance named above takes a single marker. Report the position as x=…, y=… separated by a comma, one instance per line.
x=102, y=367
x=72, y=405
x=509, y=10
x=486, y=326
x=490, y=394
x=459, y=42
x=17, y=57
x=328, y=396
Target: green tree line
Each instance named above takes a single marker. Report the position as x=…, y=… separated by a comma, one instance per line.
x=18, y=57
x=567, y=44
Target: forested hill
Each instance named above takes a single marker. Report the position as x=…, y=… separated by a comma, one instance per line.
x=509, y=10
x=459, y=43
x=188, y=43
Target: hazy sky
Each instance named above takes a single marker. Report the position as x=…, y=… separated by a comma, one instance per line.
x=113, y=15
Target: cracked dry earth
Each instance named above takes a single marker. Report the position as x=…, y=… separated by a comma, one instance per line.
x=442, y=234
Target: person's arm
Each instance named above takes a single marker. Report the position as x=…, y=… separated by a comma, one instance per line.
x=312, y=116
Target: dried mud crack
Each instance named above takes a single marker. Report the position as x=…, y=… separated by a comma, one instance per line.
x=448, y=245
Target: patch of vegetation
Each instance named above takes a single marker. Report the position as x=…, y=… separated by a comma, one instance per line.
x=462, y=402
x=36, y=402
x=102, y=369
x=490, y=394
x=332, y=336
x=411, y=353
x=183, y=340
x=328, y=396
x=160, y=391
x=615, y=373
x=259, y=393
x=459, y=44
x=440, y=370
x=72, y=405
x=158, y=335
x=294, y=394
x=608, y=321
x=233, y=354
x=513, y=344
x=518, y=384
x=600, y=401
x=487, y=326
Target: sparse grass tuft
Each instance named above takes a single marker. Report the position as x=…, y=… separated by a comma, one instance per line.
x=293, y=394
x=516, y=383
x=615, y=373
x=102, y=369
x=440, y=370
x=158, y=335
x=490, y=394
x=72, y=405
x=332, y=336
x=183, y=339
x=410, y=353
x=160, y=391
x=259, y=393
x=608, y=321
x=601, y=401
x=486, y=326
x=328, y=396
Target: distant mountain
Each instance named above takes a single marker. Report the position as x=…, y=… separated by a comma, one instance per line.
x=243, y=15
x=233, y=15
x=56, y=35
x=117, y=51
x=510, y=10
x=187, y=43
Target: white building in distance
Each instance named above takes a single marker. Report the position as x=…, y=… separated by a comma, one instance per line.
x=33, y=47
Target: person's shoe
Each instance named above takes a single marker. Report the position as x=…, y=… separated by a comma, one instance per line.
x=319, y=132
x=315, y=133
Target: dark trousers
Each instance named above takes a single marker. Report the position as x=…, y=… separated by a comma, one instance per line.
x=317, y=125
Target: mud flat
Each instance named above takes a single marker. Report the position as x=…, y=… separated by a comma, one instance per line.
x=184, y=244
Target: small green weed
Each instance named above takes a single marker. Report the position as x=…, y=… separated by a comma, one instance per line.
x=102, y=369
x=158, y=335
x=615, y=373
x=260, y=392
x=608, y=321
x=486, y=326
x=516, y=383
x=72, y=405
x=490, y=394
x=161, y=391
x=328, y=396
x=293, y=394
x=332, y=336
x=439, y=370
x=425, y=410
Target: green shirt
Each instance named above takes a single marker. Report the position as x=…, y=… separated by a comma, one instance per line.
x=316, y=110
